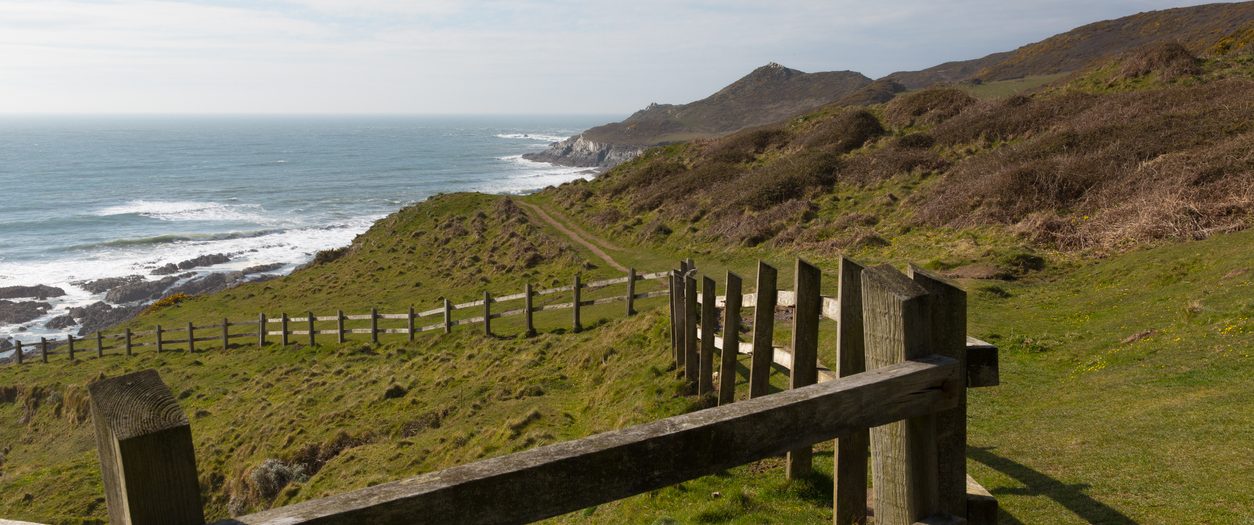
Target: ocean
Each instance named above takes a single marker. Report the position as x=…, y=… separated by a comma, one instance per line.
x=93, y=197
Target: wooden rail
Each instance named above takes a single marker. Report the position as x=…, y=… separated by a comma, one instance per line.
x=910, y=399
x=284, y=326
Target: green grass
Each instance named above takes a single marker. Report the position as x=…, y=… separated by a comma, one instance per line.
x=1006, y=88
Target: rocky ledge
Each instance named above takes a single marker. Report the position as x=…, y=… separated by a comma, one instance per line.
x=583, y=153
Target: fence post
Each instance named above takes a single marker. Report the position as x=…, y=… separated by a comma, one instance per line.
x=708, y=323
x=374, y=325
x=731, y=341
x=631, y=292
x=261, y=329
x=851, y=451
x=487, y=314
x=17, y=350
x=99, y=344
x=896, y=322
x=191, y=338
x=410, y=326
x=948, y=317
x=763, y=331
x=128, y=341
x=674, y=290
x=527, y=312
x=577, y=325
x=160, y=342
x=283, y=328
x=692, y=364
x=43, y=349
x=339, y=326
x=805, y=350
x=226, y=333
x=69, y=341
x=147, y=459
x=448, y=316
x=313, y=332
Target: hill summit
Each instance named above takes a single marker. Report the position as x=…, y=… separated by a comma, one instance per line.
x=767, y=94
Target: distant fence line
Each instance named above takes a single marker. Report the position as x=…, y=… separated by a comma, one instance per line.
x=128, y=340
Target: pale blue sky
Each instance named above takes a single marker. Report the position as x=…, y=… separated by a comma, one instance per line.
x=477, y=56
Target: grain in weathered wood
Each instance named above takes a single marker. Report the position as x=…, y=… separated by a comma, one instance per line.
x=705, y=382
x=147, y=460
x=692, y=362
x=981, y=505
x=897, y=323
x=69, y=343
x=805, y=351
x=528, y=311
x=947, y=311
x=577, y=326
x=982, y=368
x=763, y=331
x=487, y=314
x=849, y=478
x=261, y=329
x=677, y=331
x=731, y=341
x=631, y=292
x=568, y=476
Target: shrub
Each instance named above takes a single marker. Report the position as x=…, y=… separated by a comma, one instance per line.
x=926, y=108
x=167, y=301
x=272, y=475
x=787, y=179
x=1169, y=59
x=326, y=256
x=843, y=132
x=746, y=145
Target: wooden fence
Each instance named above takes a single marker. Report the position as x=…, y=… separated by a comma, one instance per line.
x=896, y=400
x=285, y=329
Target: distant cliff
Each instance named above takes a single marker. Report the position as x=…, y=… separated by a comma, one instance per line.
x=768, y=94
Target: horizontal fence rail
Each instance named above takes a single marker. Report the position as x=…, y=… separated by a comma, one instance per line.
x=280, y=328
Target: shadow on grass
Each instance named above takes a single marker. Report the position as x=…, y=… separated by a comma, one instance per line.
x=1036, y=483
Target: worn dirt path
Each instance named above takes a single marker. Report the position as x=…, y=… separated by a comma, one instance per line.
x=576, y=234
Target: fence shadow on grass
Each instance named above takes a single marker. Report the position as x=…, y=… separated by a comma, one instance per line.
x=1036, y=483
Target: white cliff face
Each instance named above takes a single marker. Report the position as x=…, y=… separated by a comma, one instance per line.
x=581, y=152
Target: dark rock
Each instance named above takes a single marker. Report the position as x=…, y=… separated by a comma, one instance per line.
x=60, y=321
x=21, y=312
x=206, y=284
x=261, y=268
x=580, y=152
x=204, y=260
x=394, y=392
x=5, y=344
x=38, y=291
x=108, y=283
x=168, y=269
x=140, y=291
x=101, y=316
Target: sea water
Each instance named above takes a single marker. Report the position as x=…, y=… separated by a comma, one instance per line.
x=84, y=198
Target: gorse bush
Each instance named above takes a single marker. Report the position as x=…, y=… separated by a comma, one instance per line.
x=926, y=108
x=845, y=132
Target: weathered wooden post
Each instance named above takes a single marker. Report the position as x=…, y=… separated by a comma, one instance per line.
x=897, y=323
x=631, y=292
x=191, y=338
x=731, y=341
x=528, y=313
x=284, y=332
x=851, y=451
x=706, y=381
x=692, y=362
x=69, y=345
x=339, y=326
x=410, y=326
x=577, y=326
x=763, y=331
x=313, y=331
x=43, y=349
x=374, y=325
x=448, y=316
x=160, y=339
x=805, y=350
x=147, y=459
x=948, y=317
x=676, y=289
x=128, y=341
x=261, y=329
x=487, y=314
x=17, y=350
x=99, y=344
x=226, y=333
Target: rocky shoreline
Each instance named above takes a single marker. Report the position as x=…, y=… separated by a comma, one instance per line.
x=580, y=152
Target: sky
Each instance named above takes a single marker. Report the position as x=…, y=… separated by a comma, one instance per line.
x=478, y=56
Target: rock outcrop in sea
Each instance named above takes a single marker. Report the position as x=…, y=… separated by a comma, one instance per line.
x=578, y=151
